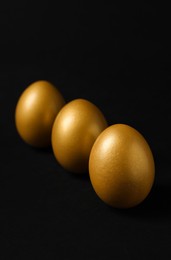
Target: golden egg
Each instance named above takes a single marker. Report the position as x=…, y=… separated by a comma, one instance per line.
x=35, y=112
x=121, y=166
x=74, y=131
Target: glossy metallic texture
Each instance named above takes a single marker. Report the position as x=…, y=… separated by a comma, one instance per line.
x=35, y=112
x=121, y=166
x=75, y=129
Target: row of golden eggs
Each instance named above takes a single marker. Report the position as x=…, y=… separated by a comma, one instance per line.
x=118, y=158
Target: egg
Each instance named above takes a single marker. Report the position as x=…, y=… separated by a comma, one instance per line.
x=35, y=112
x=121, y=166
x=75, y=129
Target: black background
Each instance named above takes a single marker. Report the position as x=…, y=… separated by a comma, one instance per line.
x=117, y=56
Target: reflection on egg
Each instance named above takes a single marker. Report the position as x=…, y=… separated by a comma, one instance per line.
x=35, y=112
x=75, y=129
x=121, y=166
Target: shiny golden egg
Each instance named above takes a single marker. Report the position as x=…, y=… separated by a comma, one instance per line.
x=36, y=111
x=121, y=166
x=75, y=129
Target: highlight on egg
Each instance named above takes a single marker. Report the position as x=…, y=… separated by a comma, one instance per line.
x=36, y=111
x=75, y=129
x=121, y=166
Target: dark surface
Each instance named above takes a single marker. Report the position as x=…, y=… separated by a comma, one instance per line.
x=118, y=57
